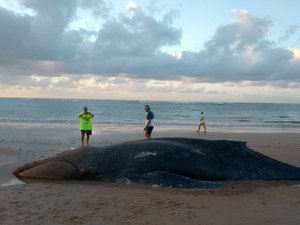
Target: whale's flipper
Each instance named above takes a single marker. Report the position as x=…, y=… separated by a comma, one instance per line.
x=167, y=179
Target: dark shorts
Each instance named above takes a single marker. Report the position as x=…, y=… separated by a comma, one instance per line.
x=87, y=132
x=149, y=130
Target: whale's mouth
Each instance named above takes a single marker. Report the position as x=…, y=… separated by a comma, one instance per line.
x=55, y=170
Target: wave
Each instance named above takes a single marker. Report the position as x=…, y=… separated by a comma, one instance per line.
x=218, y=115
x=283, y=122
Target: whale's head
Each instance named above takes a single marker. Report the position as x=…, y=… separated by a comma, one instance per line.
x=68, y=165
x=51, y=170
x=58, y=167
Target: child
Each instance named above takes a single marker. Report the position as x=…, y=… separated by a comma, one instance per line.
x=201, y=123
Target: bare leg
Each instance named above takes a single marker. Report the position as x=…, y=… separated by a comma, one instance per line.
x=147, y=136
x=198, y=128
x=87, y=139
x=204, y=128
x=82, y=139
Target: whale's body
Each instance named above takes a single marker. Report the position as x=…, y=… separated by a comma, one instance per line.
x=175, y=162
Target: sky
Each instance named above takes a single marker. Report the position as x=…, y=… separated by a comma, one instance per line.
x=170, y=50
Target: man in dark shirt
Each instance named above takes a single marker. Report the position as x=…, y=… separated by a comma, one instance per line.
x=149, y=122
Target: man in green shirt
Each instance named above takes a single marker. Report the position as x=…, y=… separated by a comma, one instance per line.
x=86, y=125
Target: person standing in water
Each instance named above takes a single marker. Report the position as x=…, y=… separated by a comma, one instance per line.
x=201, y=123
x=86, y=125
x=149, y=125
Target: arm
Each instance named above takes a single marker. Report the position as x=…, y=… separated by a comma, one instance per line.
x=147, y=124
x=80, y=115
x=150, y=116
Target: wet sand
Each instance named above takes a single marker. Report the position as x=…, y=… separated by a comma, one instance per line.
x=255, y=202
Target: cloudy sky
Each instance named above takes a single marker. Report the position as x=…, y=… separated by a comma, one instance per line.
x=215, y=51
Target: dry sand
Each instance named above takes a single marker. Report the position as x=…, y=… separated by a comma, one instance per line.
x=255, y=202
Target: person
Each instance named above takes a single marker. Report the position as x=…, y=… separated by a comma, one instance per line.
x=149, y=122
x=86, y=125
x=201, y=123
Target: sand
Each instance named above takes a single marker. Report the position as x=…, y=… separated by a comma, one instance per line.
x=255, y=202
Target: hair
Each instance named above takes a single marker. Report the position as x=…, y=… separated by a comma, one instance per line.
x=147, y=107
x=85, y=107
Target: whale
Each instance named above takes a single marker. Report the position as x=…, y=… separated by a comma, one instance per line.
x=165, y=162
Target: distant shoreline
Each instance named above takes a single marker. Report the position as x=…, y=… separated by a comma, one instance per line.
x=149, y=101
x=136, y=127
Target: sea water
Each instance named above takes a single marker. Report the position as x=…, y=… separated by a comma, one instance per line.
x=264, y=117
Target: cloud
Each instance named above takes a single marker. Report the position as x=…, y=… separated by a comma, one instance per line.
x=132, y=6
x=290, y=32
x=131, y=43
x=241, y=51
x=125, y=44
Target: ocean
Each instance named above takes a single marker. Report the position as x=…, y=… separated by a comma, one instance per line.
x=233, y=117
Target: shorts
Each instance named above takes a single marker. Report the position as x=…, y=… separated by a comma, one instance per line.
x=87, y=132
x=149, y=130
x=201, y=124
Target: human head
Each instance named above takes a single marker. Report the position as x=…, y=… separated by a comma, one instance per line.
x=201, y=113
x=147, y=108
x=85, y=109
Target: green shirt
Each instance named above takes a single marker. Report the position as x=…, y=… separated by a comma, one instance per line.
x=86, y=121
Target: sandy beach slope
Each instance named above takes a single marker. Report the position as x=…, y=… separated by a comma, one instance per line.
x=255, y=202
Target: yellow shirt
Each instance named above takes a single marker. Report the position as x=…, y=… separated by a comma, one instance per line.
x=86, y=121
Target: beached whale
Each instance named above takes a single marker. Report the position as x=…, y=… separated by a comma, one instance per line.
x=174, y=162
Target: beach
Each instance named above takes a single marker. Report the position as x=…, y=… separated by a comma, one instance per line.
x=83, y=202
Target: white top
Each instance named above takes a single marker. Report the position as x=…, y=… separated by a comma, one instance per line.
x=150, y=124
